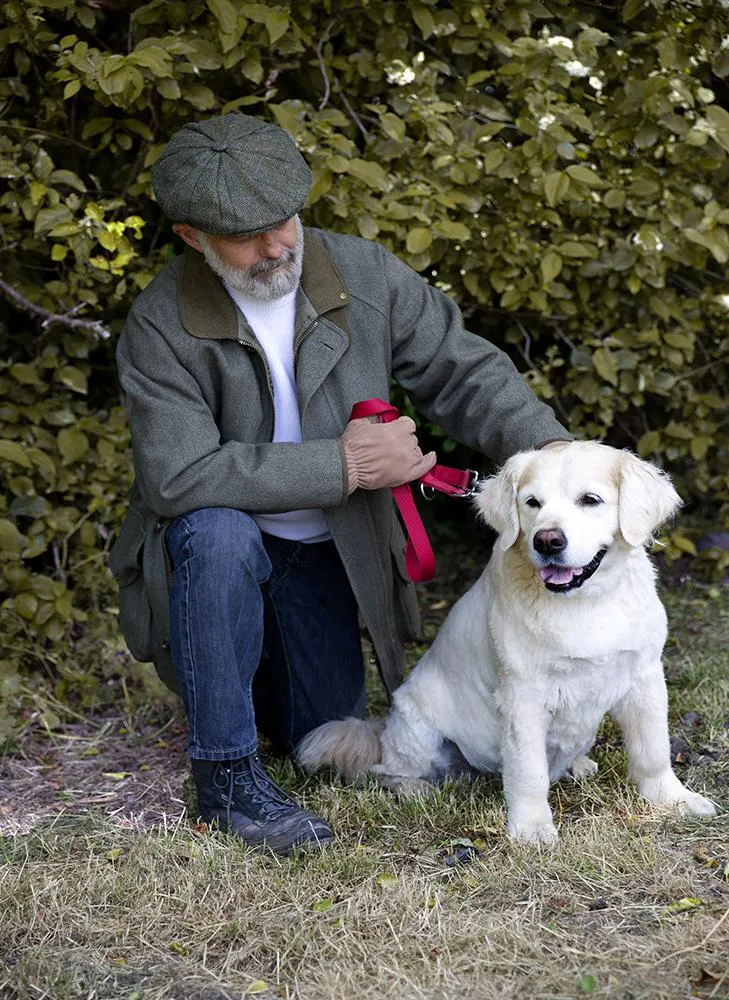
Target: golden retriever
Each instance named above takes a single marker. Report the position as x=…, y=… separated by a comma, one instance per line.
x=563, y=625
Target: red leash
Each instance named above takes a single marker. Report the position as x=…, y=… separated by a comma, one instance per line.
x=419, y=558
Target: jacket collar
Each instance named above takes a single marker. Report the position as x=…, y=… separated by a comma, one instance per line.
x=208, y=312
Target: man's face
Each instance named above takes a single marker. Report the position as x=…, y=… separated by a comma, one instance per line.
x=265, y=266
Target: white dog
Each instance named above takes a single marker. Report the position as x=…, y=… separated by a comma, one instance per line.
x=563, y=626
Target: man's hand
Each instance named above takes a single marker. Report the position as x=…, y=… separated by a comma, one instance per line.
x=383, y=455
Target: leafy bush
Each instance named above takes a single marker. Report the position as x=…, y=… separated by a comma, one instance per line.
x=559, y=168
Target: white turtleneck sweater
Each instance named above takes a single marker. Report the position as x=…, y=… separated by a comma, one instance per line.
x=273, y=324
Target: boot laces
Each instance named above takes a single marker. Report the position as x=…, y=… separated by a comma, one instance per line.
x=260, y=788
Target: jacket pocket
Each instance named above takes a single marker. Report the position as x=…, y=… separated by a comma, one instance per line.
x=126, y=562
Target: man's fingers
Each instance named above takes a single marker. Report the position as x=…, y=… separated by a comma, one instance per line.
x=427, y=464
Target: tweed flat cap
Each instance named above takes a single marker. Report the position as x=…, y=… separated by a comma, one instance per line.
x=231, y=176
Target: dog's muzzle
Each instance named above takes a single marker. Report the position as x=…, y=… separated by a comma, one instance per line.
x=561, y=579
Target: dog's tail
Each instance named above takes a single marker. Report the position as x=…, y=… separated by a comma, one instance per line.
x=350, y=746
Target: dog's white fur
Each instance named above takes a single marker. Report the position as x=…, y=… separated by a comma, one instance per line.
x=519, y=677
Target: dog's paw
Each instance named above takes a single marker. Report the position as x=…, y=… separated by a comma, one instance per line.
x=402, y=785
x=696, y=805
x=667, y=790
x=582, y=768
x=533, y=833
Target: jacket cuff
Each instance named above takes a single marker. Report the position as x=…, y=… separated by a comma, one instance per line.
x=345, y=472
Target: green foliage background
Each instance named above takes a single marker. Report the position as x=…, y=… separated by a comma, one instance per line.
x=559, y=168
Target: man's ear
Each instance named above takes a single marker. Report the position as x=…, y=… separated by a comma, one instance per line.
x=646, y=498
x=496, y=502
x=189, y=234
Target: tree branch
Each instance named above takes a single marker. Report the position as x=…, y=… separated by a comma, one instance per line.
x=322, y=67
x=55, y=319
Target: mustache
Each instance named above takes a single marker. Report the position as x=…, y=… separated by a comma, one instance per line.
x=264, y=266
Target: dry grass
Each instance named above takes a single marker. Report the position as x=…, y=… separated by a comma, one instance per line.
x=93, y=910
x=418, y=899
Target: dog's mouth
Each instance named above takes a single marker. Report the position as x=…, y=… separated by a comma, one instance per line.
x=560, y=579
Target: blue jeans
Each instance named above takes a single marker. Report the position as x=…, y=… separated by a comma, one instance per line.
x=264, y=633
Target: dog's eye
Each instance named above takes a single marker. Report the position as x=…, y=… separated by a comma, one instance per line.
x=590, y=500
x=532, y=502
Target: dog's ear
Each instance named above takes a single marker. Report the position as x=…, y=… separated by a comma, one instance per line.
x=646, y=498
x=496, y=501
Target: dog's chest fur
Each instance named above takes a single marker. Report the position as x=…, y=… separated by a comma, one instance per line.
x=583, y=692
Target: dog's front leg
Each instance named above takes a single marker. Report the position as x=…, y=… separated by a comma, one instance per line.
x=643, y=717
x=525, y=774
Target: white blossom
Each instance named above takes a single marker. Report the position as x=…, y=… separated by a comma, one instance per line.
x=575, y=68
x=656, y=244
x=400, y=74
x=559, y=40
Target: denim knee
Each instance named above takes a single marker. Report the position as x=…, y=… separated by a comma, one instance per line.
x=219, y=538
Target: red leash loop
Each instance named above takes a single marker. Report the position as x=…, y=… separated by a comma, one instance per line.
x=419, y=558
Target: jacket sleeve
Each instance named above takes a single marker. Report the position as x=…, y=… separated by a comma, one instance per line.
x=458, y=380
x=180, y=462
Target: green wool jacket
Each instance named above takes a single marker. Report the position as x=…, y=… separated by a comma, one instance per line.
x=201, y=412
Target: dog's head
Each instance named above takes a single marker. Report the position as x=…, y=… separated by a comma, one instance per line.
x=569, y=504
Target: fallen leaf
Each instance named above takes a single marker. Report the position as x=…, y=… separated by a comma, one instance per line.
x=586, y=983
x=682, y=906
x=701, y=854
x=257, y=986
x=117, y=775
x=387, y=880
x=321, y=905
x=708, y=978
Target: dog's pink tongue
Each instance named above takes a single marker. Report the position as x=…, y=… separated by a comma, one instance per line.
x=558, y=574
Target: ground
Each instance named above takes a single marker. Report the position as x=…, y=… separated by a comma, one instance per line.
x=110, y=892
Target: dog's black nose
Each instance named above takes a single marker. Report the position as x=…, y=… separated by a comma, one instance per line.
x=550, y=541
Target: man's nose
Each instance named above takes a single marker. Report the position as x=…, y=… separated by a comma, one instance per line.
x=271, y=246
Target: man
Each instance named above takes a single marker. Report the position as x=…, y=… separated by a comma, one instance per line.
x=261, y=523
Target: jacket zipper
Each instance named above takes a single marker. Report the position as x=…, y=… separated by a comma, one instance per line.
x=302, y=336
x=262, y=355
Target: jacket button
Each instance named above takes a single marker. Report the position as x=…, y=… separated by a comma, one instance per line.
x=159, y=524
x=165, y=644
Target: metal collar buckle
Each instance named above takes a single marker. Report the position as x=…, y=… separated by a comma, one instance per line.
x=428, y=492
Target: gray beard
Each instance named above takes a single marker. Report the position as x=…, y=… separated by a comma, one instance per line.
x=267, y=280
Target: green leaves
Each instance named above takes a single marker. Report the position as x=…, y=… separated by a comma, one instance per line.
x=718, y=117
x=418, y=239
x=11, y=451
x=119, y=79
x=556, y=186
x=225, y=14
x=606, y=365
x=369, y=172
x=550, y=266
x=72, y=444
x=584, y=175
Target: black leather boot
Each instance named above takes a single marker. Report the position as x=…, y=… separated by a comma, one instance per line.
x=239, y=797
